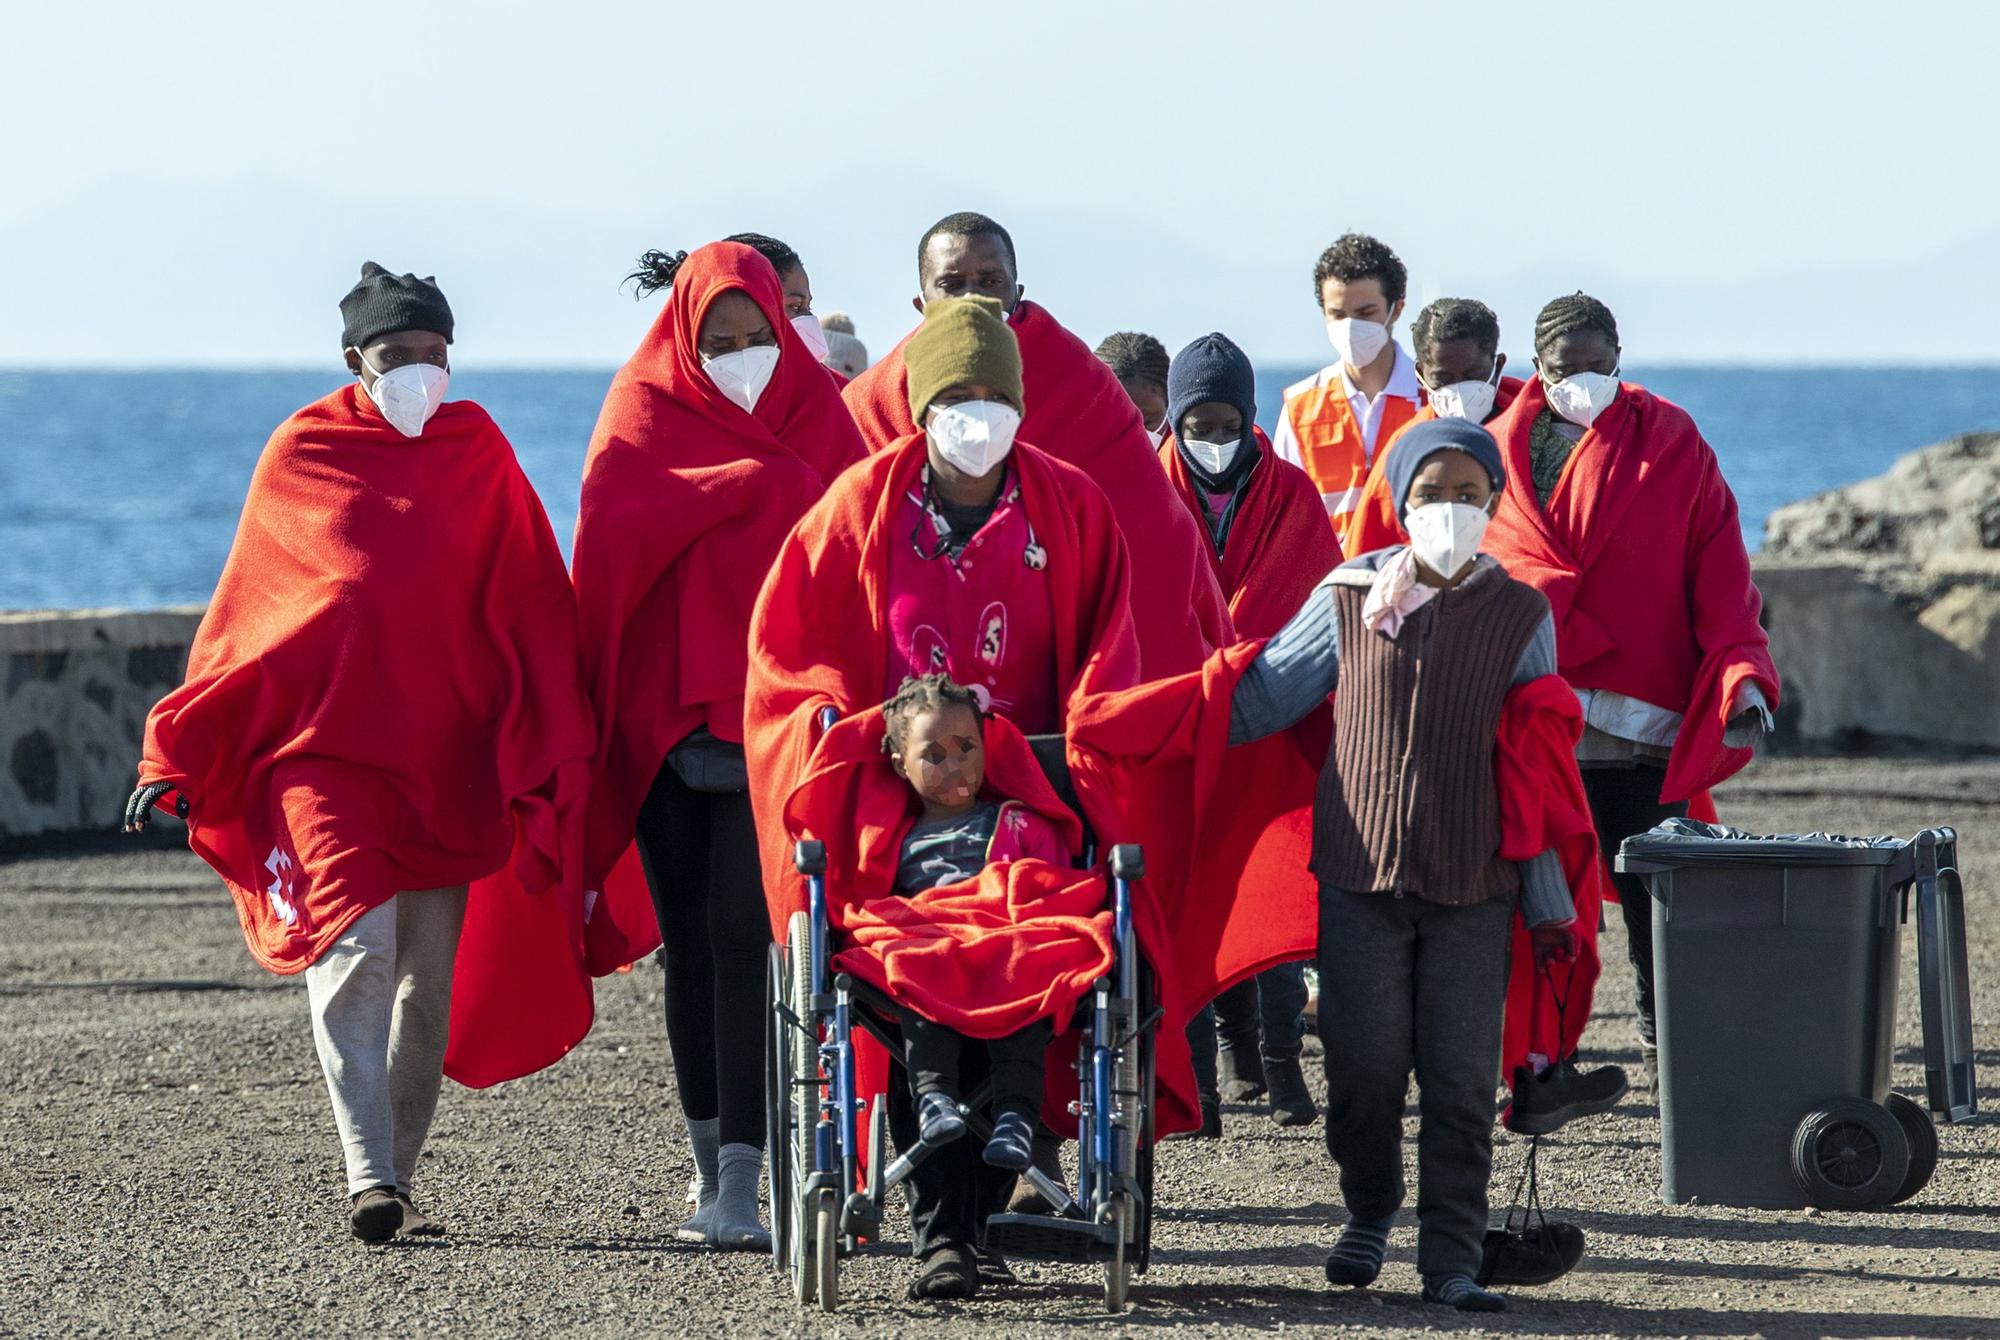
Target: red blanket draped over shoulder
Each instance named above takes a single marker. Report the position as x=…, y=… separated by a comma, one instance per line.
x=1247, y=814
x=1375, y=524
x=1077, y=411
x=986, y=956
x=686, y=498
x=1641, y=557
x=1278, y=547
x=383, y=697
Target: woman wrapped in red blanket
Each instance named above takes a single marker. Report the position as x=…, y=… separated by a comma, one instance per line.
x=951, y=884
x=1078, y=413
x=1617, y=511
x=717, y=435
x=381, y=708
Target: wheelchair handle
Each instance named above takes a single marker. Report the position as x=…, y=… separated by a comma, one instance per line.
x=809, y=857
x=1128, y=861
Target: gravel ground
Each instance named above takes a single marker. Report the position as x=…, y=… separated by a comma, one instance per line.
x=168, y=1163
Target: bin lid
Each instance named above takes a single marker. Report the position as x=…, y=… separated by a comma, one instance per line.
x=1686, y=842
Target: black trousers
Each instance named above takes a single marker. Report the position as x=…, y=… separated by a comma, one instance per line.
x=699, y=850
x=1625, y=800
x=1412, y=986
x=934, y=1056
x=1265, y=1013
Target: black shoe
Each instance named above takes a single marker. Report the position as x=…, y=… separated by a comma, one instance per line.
x=949, y=1272
x=1242, y=1074
x=993, y=1268
x=1523, y=1257
x=1547, y=1102
x=1291, y=1102
x=1211, y=1123
x=1012, y=1144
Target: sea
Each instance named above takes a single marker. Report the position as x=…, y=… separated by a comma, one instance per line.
x=121, y=489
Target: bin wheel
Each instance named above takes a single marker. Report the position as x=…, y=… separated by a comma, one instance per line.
x=1922, y=1134
x=1850, y=1154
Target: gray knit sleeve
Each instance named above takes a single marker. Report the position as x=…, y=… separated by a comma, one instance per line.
x=1538, y=658
x=1545, y=892
x=1292, y=675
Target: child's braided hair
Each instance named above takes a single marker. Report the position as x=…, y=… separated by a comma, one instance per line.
x=920, y=694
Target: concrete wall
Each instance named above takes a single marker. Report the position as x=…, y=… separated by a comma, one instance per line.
x=73, y=701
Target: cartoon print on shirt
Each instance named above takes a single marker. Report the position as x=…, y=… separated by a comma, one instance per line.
x=993, y=633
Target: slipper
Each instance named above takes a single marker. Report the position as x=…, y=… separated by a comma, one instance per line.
x=417, y=1224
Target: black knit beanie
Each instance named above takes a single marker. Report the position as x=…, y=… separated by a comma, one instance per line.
x=1212, y=368
x=382, y=304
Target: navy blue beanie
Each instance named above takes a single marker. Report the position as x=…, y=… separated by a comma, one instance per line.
x=1420, y=441
x=1212, y=368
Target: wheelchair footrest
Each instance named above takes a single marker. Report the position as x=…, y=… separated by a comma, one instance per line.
x=1044, y=1237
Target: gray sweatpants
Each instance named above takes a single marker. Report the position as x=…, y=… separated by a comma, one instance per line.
x=381, y=1012
x=1407, y=985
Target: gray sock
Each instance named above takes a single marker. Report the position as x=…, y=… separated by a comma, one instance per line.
x=703, y=1136
x=733, y=1225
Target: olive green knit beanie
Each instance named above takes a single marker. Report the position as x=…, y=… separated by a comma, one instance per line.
x=962, y=340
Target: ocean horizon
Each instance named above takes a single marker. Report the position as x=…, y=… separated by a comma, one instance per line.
x=121, y=487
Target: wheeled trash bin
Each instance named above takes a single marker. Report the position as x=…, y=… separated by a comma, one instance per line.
x=1775, y=964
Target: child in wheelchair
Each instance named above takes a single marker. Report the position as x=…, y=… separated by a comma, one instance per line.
x=933, y=738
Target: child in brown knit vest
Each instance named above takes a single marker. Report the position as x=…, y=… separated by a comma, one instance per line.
x=1423, y=644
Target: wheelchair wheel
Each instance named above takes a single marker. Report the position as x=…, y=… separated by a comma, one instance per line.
x=1118, y=1271
x=802, y=1102
x=778, y=1107
x=826, y=1250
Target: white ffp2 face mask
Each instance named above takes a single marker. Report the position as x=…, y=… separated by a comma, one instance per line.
x=1212, y=457
x=808, y=327
x=1582, y=396
x=743, y=374
x=974, y=437
x=1445, y=536
x=1359, y=343
x=1465, y=400
x=407, y=395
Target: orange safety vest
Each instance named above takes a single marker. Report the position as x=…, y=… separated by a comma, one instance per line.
x=1330, y=444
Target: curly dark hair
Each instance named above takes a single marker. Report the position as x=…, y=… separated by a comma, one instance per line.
x=1456, y=319
x=920, y=694
x=1133, y=356
x=656, y=271
x=1567, y=316
x=1359, y=256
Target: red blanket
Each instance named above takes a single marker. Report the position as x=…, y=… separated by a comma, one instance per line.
x=1077, y=412
x=383, y=697
x=1278, y=546
x=1642, y=559
x=1247, y=814
x=1375, y=524
x=686, y=498
x=987, y=956
x=1543, y=808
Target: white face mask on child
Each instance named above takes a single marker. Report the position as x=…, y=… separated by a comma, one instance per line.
x=1445, y=536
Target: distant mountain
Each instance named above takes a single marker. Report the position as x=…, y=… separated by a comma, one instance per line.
x=249, y=272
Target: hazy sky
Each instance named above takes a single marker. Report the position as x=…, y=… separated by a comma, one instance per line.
x=198, y=183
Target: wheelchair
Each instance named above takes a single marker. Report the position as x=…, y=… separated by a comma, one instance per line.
x=822, y=1204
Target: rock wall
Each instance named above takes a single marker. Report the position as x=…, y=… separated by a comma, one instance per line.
x=1883, y=604
x=73, y=704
